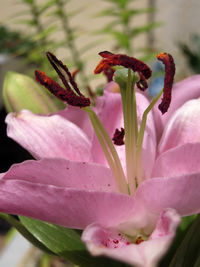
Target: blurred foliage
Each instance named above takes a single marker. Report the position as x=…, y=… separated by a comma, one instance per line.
x=11, y=42
x=44, y=19
x=121, y=27
x=41, y=35
x=188, y=253
x=192, y=53
x=188, y=230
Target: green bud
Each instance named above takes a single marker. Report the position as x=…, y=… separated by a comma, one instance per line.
x=22, y=92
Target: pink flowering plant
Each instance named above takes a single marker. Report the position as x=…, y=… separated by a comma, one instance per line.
x=123, y=171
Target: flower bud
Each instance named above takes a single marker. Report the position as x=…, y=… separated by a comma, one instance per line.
x=22, y=92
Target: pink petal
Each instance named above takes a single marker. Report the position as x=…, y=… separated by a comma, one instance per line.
x=112, y=87
x=72, y=194
x=48, y=136
x=63, y=173
x=178, y=161
x=178, y=192
x=69, y=207
x=111, y=243
x=183, y=127
x=182, y=91
x=79, y=118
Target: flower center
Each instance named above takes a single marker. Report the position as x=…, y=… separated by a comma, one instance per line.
x=118, y=241
x=113, y=239
x=135, y=73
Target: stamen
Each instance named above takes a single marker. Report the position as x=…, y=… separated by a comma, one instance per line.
x=114, y=241
x=109, y=151
x=168, y=61
x=118, y=137
x=63, y=73
x=139, y=240
x=139, y=165
x=90, y=92
x=109, y=72
x=74, y=73
x=136, y=65
x=65, y=95
x=142, y=83
x=105, y=54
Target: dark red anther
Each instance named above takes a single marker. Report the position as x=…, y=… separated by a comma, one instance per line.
x=90, y=92
x=142, y=83
x=136, y=65
x=105, y=54
x=118, y=137
x=109, y=73
x=168, y=61
x=63, y=72
x=65, y=95
x=139, y=240
x=71, y=94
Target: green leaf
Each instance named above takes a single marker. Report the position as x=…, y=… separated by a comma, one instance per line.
x=66, y=243
x=146, y=28
x=108, y=28
x=196, y=42
x=28, y=22
x=48, y=31
x=139, y=11
x=28, y=1
x=45, y=6
x=23, y=231
x=62, y=2
x=193, y=57
x=90, y=45
x=77, y=11
x=120, y=3
x=122, y=39
x=188, y=253
x=127, y=14
x=182, y=232
x=107, y=12
x=19, y=13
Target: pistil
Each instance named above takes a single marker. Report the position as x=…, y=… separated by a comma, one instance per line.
x=131, y=131
x=126, y=80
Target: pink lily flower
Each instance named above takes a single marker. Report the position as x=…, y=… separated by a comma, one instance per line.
x=72, y=183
